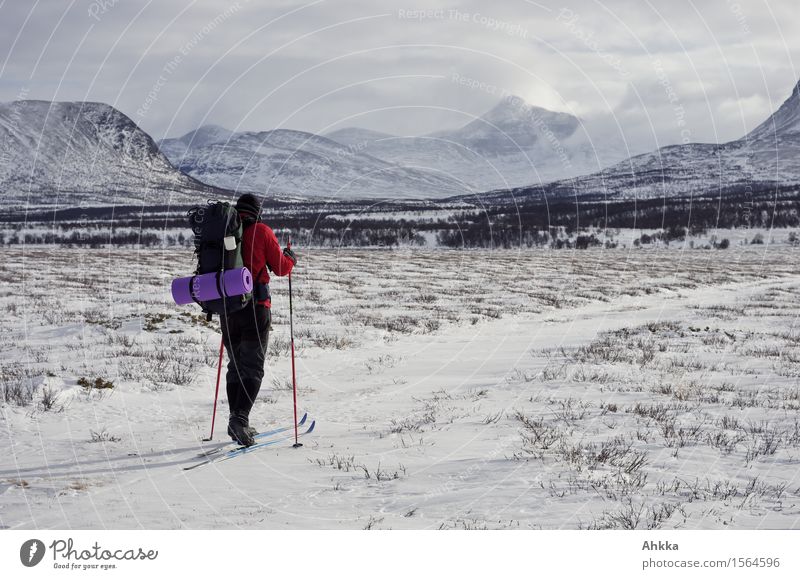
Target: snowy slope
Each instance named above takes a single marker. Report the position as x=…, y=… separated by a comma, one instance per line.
x=769, y=154
x=298, y=163
x=509, y=126
x=70, y=152
x=784, y=124
x=512, y=144
x=205, y=135
x=435, y=153
x=356, y=136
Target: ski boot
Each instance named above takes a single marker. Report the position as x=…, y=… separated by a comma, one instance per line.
x=239, y=429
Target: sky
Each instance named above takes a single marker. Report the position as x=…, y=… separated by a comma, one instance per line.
x=656, y=73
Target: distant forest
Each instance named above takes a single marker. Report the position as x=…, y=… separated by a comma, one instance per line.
x=531, y=222
x=541, y=223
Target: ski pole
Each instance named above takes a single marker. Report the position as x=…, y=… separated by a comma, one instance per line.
x=216, y=394
x=294, y=375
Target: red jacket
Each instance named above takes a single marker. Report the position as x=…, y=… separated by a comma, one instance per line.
x=261, y=250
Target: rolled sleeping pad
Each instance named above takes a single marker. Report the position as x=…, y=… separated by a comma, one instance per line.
x=203, y=288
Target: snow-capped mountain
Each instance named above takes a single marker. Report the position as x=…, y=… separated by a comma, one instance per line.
x=73, y=152
x=512, y=144
x=767, y=155
x=205, y=135
x=287, y=162
x=783, y=126
x=510, y=126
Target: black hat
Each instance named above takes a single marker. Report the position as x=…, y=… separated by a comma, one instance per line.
x=248, y=203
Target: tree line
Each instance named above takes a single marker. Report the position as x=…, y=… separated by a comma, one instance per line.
x=531, y=222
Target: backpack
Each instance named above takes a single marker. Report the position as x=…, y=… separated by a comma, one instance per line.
x=218, y=230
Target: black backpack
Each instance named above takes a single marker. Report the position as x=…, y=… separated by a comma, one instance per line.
x=212, y=226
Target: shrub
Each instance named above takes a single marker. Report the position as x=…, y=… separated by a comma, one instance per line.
x=98, y=383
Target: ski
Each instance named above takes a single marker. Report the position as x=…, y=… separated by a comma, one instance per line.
x=238, y=451
x=245, y=449
x=259, y=436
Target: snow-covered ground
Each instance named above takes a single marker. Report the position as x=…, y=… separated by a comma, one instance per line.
x=452, y=389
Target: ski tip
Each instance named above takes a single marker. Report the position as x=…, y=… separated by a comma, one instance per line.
x=311, y=428
x=303, y=419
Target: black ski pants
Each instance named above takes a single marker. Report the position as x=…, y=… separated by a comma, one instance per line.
x=246, y=335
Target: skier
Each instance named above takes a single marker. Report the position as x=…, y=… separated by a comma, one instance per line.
x=246, y=331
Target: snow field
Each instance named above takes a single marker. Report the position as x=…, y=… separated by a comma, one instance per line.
x=472, y=389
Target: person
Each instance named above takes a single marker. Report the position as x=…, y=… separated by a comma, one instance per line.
x=245, y=332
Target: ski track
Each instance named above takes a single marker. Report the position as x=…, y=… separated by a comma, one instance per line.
x=443, y=467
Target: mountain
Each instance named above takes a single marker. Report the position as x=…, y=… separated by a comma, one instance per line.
x=205, y=135
x=354, y=135
x=84, y=152
x=287, y=162
x=783, y=126
x=512, y=144
x=765, y=157
x=509, y=126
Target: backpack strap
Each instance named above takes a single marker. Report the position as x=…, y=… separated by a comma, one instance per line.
x=248, y=221
x=220, y=288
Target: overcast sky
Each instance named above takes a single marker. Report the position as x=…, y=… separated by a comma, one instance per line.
x=702, y=70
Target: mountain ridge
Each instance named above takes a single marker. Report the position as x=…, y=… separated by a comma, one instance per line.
x=90, y=151
x=286, y=161
x=512, y=144
x=766, y=155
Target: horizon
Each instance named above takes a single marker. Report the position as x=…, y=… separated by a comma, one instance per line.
x=501, y=100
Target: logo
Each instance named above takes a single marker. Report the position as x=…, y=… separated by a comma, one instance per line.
x=31, y=553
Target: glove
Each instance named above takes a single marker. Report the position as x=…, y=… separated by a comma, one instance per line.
x=290, y=254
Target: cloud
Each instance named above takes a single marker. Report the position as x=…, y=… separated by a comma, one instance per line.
x=390, y=66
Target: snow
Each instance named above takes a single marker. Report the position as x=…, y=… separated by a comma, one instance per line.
x=513, y=144
x=692, y=169
x=91, y=153
x=85, y=152
x=472, y=389
x=286, y=162
x=785, y=123
x=766, y=155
